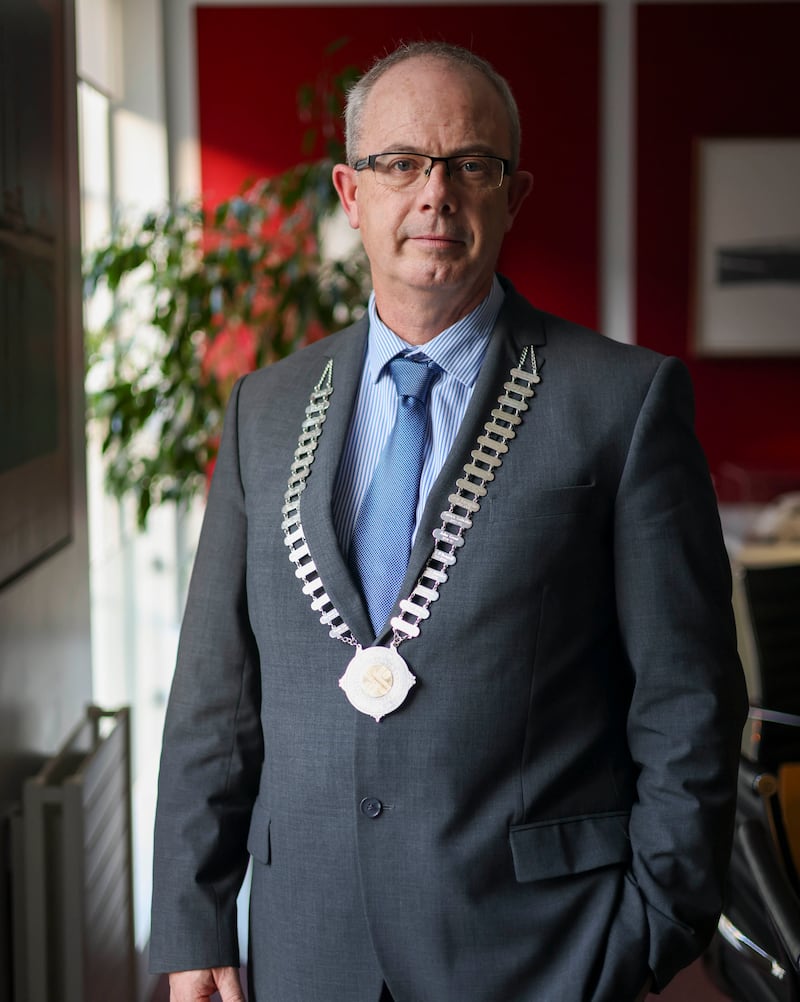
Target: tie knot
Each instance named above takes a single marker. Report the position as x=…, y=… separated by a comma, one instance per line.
x=413, y=376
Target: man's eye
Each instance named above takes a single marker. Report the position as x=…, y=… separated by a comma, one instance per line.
x=403, y=166
x=473, y=166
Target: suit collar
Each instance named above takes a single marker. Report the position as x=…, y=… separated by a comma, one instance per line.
x=520, y=322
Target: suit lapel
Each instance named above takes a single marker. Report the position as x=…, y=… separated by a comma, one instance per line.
x=316, y=503
x=517, y=325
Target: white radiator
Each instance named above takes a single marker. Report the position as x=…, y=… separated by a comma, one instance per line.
x=73, y=874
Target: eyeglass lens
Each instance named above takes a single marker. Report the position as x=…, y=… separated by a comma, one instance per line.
x=408, y=170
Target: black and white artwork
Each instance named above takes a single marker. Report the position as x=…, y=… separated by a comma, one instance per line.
x=747, y=254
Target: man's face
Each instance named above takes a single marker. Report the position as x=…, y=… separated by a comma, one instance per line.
x=443, y=238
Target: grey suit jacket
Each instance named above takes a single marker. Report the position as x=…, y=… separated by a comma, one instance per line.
x=549, y=814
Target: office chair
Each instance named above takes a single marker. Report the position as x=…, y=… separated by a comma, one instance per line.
x=755, y=953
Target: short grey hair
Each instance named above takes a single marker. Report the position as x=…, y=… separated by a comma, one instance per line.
x=455, y=55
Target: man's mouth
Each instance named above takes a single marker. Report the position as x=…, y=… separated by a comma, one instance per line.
x=443, y=240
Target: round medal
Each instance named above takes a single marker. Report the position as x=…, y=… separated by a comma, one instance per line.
x=377, y=681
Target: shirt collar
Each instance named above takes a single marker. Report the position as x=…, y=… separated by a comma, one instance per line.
x=458, y=349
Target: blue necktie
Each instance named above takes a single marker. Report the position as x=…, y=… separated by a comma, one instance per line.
x=385, y=525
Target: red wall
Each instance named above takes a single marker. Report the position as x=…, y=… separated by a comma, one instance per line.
x=711, y=70
x=253, y=60
x=701, y=69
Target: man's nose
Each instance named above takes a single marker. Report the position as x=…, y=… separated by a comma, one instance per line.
x=439, y=188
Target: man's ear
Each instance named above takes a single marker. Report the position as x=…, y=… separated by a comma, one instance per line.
x=345, y=181
x=520, y=185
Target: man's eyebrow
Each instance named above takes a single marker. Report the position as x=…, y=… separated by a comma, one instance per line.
x=474, y=148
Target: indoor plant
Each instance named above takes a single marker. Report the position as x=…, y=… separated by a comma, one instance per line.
x=202, y=295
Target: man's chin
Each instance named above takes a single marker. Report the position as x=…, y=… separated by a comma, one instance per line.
x=439, y=275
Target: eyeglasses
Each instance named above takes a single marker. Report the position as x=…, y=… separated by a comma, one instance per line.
x=411, y=170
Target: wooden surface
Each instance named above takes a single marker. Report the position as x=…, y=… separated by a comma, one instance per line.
x=691, y=985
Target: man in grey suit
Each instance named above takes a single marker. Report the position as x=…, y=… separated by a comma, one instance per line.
x=479, y=735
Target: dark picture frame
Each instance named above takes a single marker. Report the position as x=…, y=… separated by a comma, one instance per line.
x=35, y=485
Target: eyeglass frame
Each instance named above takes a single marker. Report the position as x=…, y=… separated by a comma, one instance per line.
x=369, y=162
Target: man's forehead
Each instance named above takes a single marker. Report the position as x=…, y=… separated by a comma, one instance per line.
x=400, y=105
x=420, y=70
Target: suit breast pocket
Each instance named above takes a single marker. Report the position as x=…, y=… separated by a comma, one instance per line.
x=546, y=502
x=569, y=846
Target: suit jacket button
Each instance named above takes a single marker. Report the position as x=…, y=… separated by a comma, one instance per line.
x=371, y=806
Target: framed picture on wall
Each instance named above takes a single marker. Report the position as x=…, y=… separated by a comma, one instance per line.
x=35, y=486
x=747, y=247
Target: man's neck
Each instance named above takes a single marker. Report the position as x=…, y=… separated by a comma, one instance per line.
x=418, y=317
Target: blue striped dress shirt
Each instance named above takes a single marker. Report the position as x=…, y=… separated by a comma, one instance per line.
x=459, y=352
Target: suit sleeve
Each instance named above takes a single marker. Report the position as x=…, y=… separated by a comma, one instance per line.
x=213, y=746
x=689, y=703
